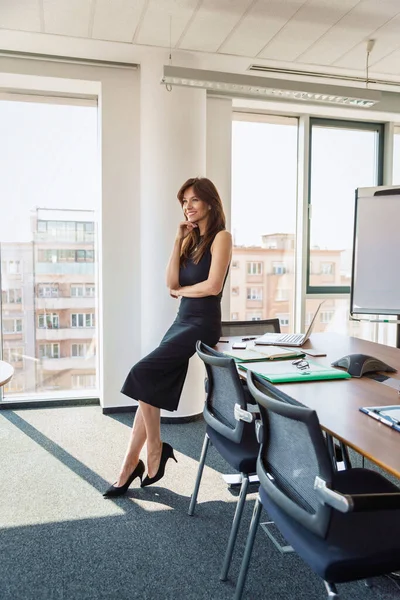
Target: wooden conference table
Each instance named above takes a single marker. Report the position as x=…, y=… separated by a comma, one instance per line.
x=6, y=372
x=337, y=402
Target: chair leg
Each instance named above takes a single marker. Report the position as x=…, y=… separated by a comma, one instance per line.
x=331, y=589
x=248, y=550
x=204, y=450
x=235, y=526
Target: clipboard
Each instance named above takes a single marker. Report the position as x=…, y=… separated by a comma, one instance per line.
x=285, y=372
x=388, y=415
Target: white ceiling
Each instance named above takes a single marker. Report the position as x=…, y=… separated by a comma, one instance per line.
x=320, y=35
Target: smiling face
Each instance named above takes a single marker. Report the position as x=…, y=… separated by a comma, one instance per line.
x=194, y=209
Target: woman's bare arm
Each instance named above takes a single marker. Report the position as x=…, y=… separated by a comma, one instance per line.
x=221, y=251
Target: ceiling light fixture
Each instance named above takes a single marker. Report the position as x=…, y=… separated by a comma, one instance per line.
x=247, y=85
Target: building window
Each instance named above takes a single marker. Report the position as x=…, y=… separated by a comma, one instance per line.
x=13, y=355
x=82, y=320
x=48, y=321
x=81, y=350
x=83, y=381
x=254, y=268
x=235, y=264
x=253, y=316
x=235, y=291
x=49, y=351
x=56, y=256
x=254, y=293
x=282, y=295
x=326, y=316
x=12, y=296
x=327, y=268
x=278, y=268
x=234, y=316
x=12, y=325
x=13, y=267
x=48, y=290
x=283, y=320
x=80, y=290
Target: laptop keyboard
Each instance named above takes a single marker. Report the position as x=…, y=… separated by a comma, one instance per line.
x=293, y=338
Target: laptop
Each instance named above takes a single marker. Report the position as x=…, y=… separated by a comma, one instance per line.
x=288, y=339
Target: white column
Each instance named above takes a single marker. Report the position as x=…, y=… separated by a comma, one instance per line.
x=173, y=148
x=219, y=160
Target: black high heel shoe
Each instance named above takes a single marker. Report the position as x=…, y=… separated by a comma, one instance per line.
x=166, y=453
x=114, y=491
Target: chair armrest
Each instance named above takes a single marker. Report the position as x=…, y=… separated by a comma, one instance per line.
x=362, y=502
x=249, y=415
x=355, y=502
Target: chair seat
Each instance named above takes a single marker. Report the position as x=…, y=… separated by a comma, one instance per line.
x=241, y=457
x=358, y=545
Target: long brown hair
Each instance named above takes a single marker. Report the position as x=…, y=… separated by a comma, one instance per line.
x=205, y=190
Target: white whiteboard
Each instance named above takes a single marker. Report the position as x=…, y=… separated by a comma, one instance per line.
x=375, y=287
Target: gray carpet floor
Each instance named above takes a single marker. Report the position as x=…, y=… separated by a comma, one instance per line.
x=61, y=540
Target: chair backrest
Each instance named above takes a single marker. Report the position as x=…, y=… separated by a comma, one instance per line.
x=292, y=453
x=250, y=327
x=224, y=390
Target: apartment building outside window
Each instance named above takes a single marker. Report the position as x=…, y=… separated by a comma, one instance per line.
x=254, y=268
x=278, y=268
x=235, y=264
x=283, y=320
x=326, y=316
x=81, y=350
x=82, y=320
x=13, y=354
x=49, y=350
x=253, y=316
x=327, y=268
x=11, y=296
x=254, y=293
x=235, y=290
x=47, y=291
x=12, y=325
x=48, y=321
x=80, y=290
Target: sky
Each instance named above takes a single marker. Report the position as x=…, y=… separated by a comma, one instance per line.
x=48, y=158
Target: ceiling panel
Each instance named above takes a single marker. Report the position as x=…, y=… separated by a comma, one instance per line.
x=20, y=14
x=116, y=20
x=309, y=23
x=212, y=24
x=356, y=26
x=264, y=19
x=155, y=27
x=389, y=64
x=387, y=39
x=67, y=17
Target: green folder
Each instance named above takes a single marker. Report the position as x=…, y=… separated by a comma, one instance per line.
x=284, y=371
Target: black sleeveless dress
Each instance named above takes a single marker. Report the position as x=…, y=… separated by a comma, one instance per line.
x=158, y=378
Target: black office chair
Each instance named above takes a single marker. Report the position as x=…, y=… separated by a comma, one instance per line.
x=230, y=429
x=345, y=525
x=250, y=327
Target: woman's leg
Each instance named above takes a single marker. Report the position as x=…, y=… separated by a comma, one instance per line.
x=136, y=443
x=151, y=417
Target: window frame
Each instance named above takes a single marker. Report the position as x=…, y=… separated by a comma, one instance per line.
x=339, y=124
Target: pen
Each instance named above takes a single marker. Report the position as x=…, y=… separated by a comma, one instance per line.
x=223, y=341
x=247, y=339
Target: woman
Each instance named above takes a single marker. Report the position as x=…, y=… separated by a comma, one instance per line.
x=196, y=273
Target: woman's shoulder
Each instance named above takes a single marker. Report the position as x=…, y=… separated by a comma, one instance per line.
x=223, y=236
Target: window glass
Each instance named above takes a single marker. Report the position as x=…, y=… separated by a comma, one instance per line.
x=396, y=156
x=48, y=234
x=344, y=156
x=263, y=216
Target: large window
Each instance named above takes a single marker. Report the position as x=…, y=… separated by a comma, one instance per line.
x=344, y=157
x=264, y=183
x=48, y=247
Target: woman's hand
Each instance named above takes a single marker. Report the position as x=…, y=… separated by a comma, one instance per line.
x=185, y=227
x=174, y=293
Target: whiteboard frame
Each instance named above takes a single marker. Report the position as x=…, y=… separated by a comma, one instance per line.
x=382, y=190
